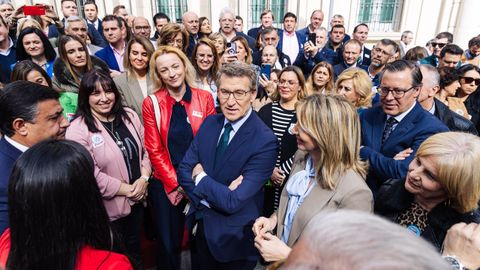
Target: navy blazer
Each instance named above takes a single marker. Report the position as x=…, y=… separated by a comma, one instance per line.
x=301, y=39
x=366, y=56
x=339, y=68
x=106, y=54
x=8, y=155
x=97, y=38
x=252, y=153
x=415, y=128
x=254, y=32
x=307, y=64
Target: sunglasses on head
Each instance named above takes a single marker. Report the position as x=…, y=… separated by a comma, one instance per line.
x=440, y=45
x=469, y=80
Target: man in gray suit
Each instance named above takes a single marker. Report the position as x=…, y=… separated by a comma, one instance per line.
x=77, y=26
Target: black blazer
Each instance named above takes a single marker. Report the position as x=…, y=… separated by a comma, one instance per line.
x=393, y=200
x=452, y=120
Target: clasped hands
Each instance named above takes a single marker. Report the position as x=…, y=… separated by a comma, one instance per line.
x=270, y=246
x=136, y=192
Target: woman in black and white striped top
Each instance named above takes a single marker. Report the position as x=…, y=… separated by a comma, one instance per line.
x=280, y=116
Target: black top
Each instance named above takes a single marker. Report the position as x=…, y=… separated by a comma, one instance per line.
x=180, y=133
x=128, y=146
x=393, y=200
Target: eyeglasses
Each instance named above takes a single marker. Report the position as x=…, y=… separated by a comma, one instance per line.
x=440, y=45
x=469, y=80
x=382, y=52
x=139, y=27
x=397, y=93
x=289, y=83
x=237, y=94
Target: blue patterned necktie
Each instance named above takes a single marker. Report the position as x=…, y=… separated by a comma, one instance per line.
x=388, y=128
x=223, y=143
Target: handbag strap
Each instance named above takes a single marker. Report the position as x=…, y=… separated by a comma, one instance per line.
x=156, y=110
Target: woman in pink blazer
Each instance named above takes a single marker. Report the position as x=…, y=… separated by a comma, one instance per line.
x=113, y=135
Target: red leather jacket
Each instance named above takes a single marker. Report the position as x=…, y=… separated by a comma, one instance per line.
x=198, y=109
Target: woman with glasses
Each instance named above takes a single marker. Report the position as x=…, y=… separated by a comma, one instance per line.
x=135, y=84
x=324, y=176
x=355, y=85
x=280, y=116
x=321, y=79
x=168, y=134
x=174, y=35
x=441, y=187
x=469, y=82
x=113, y=135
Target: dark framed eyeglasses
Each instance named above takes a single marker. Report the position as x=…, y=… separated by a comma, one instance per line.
x=469, y=80
x=397, y=93
x=440, y=45
x=238, y=94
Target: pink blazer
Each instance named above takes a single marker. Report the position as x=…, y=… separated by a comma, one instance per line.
x=110, y=167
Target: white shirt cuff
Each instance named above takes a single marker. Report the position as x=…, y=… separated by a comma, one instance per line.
x=204, y=202
x=199, y=178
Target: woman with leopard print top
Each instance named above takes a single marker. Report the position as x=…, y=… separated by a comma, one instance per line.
x=441, y=188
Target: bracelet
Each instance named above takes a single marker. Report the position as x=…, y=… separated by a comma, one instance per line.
x=146, y=178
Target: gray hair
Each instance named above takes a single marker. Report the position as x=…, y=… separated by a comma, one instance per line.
x=405, y=33
x=348, y=239
x=72, y=19
x=431, y=73
x=238, y=69
x=6, y=2
x=226, y=11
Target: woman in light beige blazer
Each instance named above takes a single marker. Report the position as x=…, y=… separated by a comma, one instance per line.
x=135, y=84
x=327, y=174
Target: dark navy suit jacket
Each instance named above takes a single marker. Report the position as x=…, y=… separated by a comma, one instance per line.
x=106, y=54
x=301, y=39
x=251, y=153
x=414, y=128
x=8, y=155
x=339, y=68
x=97, y=38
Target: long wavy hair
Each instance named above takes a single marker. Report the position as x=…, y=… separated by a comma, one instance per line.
x=333, y=124
x=62, y=53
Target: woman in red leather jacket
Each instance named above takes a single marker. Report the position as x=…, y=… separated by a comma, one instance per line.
x=182, y=111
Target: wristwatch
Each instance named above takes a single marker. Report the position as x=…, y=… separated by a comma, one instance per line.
x=454, y=262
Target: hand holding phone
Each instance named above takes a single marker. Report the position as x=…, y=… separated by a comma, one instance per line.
x=34, y=10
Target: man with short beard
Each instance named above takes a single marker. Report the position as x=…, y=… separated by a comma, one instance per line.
x=227, y=22
x=381, y=53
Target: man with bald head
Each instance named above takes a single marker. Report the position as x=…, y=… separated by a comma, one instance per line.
x=350, y=54
x=316, y=20
x=141, y=27
x=191, y=23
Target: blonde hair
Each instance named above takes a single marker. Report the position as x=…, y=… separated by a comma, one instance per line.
x=456, y=156
x=302, y=93
x=333, y=124
x=311, y=87
x=189, y=70
x=23, y=23
x=362, y=85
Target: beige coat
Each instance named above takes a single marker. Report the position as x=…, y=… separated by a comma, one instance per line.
x=131, y=92
x=351, y=192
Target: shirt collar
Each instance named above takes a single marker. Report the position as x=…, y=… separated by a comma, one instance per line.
x=402, y=115
x=288, y=34
x=9, y=47
x=238, y=124
x=15, y=144
x=116, y=51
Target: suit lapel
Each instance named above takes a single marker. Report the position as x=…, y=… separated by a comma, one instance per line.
x=378, y=127
x=407, y=123
x=211, y=144
x=136, y=91
x=242, y=135
x=314, y=203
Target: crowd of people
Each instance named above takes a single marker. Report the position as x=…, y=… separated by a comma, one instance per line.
x=274, y=148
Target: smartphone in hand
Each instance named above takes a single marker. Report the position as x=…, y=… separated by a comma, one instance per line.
x=34, y=10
